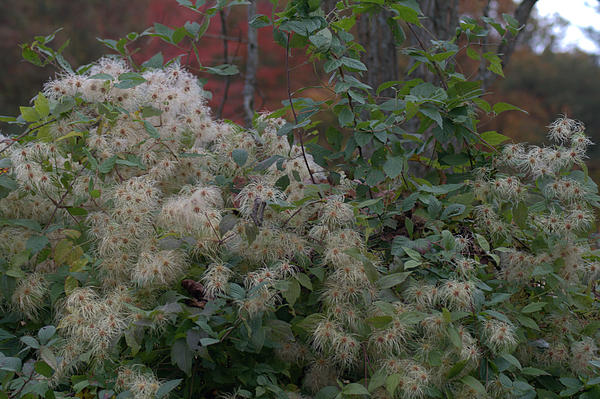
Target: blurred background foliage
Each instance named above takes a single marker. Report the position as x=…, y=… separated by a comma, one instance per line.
x=540, y=78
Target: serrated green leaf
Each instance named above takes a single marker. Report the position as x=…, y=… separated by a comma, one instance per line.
x=393, y=166
x=29, y=114
x=41, y=105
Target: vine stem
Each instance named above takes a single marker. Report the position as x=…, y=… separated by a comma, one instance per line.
x=351, y=105
x=289, y=91
x=25, y=133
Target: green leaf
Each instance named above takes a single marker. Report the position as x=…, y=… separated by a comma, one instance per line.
x=167, y=387
x=501, y=107
x=72, y=133
x=4, y=335
x=29, y=114
x=156, y=61
x=208, y=341
x=392, y=382
x=482, y=242
x=527, y=322
x=31, y=56
x=473, y=54
x=533, y=307
x=392, y=280
x=45, y=333
x=494, y=138
x=10, y=364
x=42, y=368
x=397, y=31
x=329, y=392
x=304, y=280
x=4, y=118
x=332, y=65
x=8, y=182
x=497, y=315
x=474, y=383
x=292, y=293
x=107, y=165
x=102, y=76
x=36, y=243
x=128, y=80
x=345, y=117
x=498, y=297
x=353, y=63
x=571, y=382
x=240, y=156
x=41, y=105
x=393, y=166
x=496, y=67
x=484, y=105
x=512, y=360
x=377, y=380
x=30, y=342
x=379, y=321
x=454, y=337
x=223, y=70
x=432, y=113
x=260, y=21
x=151, y=130
x=412, y=254
x=374, y=177
x=456, y=369
x=321, y=39
x=181, y=355
x=533, y=371
x=453, y=210
x=355, y=389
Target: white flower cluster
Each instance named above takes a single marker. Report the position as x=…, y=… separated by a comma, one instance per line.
x=154, y=155
x=536, y=193
x=165, y=187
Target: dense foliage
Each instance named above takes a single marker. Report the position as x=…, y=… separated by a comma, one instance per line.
x=151, y=250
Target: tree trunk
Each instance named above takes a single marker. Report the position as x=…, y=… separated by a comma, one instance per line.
x=381, y=57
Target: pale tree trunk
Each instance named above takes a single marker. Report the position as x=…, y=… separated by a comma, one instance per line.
x=251, y=66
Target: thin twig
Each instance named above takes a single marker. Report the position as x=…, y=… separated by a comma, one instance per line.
x=351, y=104
x=297, y=211
x=435, y=64
x=289, y=91
x=25, y=133
x=226, y=61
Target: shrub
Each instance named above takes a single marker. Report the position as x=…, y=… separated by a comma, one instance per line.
x=140, y=234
